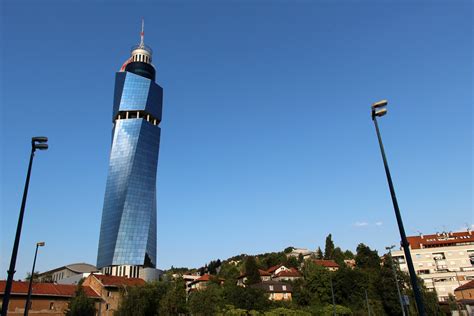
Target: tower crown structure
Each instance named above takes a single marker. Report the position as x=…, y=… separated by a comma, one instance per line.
x=141, y=52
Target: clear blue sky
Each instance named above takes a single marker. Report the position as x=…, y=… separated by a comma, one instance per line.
x=266, y=136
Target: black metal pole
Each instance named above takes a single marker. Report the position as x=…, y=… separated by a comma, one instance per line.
x=405, y=244
x=396, y=281
x=28, y=297
x=11, y=271
x=367, y=302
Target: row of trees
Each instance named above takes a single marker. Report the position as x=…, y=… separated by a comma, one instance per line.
x=368, y=286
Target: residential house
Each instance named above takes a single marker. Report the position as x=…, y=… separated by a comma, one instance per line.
x=264, y=276
x=465, y=296
x=47, y=299
x=350, y=263
x=465, y=291
x=331, y=265
x=287, y=275
x=110, y=289
x=202, y=282
x=277, y=269
x=276, y=291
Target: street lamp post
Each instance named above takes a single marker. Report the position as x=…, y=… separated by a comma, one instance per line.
x=395, y=276
x=28, y=297
x=36, y=143
x=379, y=109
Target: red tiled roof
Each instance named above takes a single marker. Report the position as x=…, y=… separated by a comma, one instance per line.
x=274, y=268
x=52, y=289
x=289, y=273
x=326, y=263
x=205, y=278
x=437, y=240
x=260, y=271
x=468, y=285
x=110, y=280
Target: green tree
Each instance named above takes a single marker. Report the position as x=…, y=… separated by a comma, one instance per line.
x=430, y=299
x=319, y=254
x=300, y=259
x=206, y=302
x=245, y=297
x=348, y=254
x=251, y=270
x=338, y=256
x=173, y=301
x=367, y=258
x=273, y=259
x=142, y=300
x=80, y=304
x=229, y=271
x=317, y=283
x=35, y=276
x=387, y=288
x=329, y=248
x=213, y=266
x=292, y=262
x=301, y=296
x=349, y=288
x=453, y=305
x=328, y=310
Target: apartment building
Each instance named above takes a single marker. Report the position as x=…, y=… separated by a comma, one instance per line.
x=444, y=261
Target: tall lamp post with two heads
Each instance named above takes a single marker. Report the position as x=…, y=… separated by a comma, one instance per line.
x=379, y=109
x=28, y=297
x=36, y=143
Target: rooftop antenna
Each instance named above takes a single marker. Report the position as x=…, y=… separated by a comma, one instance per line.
x=142, y=34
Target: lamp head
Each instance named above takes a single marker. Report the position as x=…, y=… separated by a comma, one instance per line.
x=380, y=112
x=379, y=109
x=379, y=104
x=41, y=146
x=40, y=244
x=39, y=139
x=390, y=247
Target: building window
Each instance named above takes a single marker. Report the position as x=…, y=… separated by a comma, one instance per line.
x=470, y=253
x=271, y=288
x=439, y=256
x=109, y=294
x=283, y=287
x=107, y=306
x=51, y=305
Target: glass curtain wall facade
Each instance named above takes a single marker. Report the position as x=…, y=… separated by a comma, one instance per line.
x=128, y=227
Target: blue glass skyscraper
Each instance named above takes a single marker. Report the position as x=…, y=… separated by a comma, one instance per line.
x=127, y=242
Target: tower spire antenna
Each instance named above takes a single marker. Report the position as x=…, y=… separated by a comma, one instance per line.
x=142, y=34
